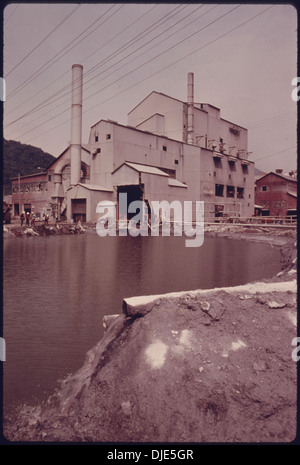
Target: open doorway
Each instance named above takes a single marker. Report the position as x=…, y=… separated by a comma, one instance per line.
x=79, y=210
x=133, y=192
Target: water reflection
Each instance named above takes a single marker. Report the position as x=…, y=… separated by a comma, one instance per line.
x=58, y=288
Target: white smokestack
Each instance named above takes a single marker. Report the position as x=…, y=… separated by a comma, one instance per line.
x=190, y=108
x=76, y=123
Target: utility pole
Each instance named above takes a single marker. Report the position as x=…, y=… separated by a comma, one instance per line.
x=20, y=210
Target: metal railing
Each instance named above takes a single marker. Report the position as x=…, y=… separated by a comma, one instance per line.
x=270, y=221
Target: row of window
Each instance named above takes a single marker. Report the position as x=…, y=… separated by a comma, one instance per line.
x=232, y=165
x=32, y=187
x=230, y=191
x=107, y=137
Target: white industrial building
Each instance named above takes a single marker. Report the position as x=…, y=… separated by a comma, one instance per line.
x=170, y=150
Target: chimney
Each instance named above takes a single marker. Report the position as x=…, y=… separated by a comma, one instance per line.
x=190, y=108
x=76, y=123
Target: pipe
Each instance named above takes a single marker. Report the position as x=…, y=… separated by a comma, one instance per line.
x=190, y=103
x=76, y=123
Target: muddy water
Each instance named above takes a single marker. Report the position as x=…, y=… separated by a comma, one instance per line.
x=58, y=288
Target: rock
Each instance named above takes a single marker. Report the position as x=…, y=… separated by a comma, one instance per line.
x=126, y=408
x=205, y=306
x=30, y=232
x=108, y=319
x=260, y=365
x=274, y=304
x=261, y=300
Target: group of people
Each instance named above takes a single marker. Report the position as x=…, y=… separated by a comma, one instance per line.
x=29, y=218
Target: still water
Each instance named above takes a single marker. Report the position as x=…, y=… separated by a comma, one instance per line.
x=58, y=288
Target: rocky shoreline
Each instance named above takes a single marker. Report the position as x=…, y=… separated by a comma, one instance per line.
x=13, y=231
x=202, y=366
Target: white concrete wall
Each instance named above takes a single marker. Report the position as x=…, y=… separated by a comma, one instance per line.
x=213, y=173
x=154, y=124
x=171, y=108
x=125, y=176
x=92, y=198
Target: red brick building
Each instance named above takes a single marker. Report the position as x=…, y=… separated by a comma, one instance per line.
x=276, y=194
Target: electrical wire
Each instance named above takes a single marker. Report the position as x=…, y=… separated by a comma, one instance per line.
x=173, y=46
x=48, y=101
x=160, y=70
x=66, y=72
x=277, y=153
x=42, y=41
x=41, y=70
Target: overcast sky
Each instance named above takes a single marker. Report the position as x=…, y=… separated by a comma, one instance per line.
x=244, y=58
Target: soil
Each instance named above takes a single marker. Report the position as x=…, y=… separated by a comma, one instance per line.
x=192, y=367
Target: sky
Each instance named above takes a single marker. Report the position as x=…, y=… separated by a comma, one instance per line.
x=243, y=56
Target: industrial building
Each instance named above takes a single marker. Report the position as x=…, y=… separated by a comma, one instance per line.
x=170, y=150
x=276, y=194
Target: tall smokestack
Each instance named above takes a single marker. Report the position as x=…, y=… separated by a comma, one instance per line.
x=76, y=123
x=190, y=108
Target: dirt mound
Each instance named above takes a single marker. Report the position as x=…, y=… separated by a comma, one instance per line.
x=201, y=366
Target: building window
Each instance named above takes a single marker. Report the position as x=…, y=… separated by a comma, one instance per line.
x=165, y=148
x=49, y=177
x=240, y=193
x=230, y=191
x=176, y=162
x=108, y=136
x=219, y=209
x=245, y=169
x=265, y=188
x=232, y=166
x=96, y=138
x=217, y=162
x=219, y=190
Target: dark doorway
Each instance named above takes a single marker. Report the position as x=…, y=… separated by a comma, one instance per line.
x=79, y=210
x=134, y=192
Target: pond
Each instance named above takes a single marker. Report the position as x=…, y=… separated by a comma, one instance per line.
x=58, y=288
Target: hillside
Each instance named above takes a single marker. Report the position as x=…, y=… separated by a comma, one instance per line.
x=23, y=159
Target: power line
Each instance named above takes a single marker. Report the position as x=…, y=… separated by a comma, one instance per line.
x=151, y=40
x=274, y=120
x=129, y=43
x=267, y=119
x=161, y=69
x=42, y=41
x=165, y=51
x=41, y=70
x=138, y=37
x=173, y=46
x=66, y=72
x=277, y=153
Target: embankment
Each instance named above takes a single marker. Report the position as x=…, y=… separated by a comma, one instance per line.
x=202, y=366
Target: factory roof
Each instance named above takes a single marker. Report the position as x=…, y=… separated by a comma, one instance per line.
x=143, y=168
x=175, y=183
x=94, y=187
